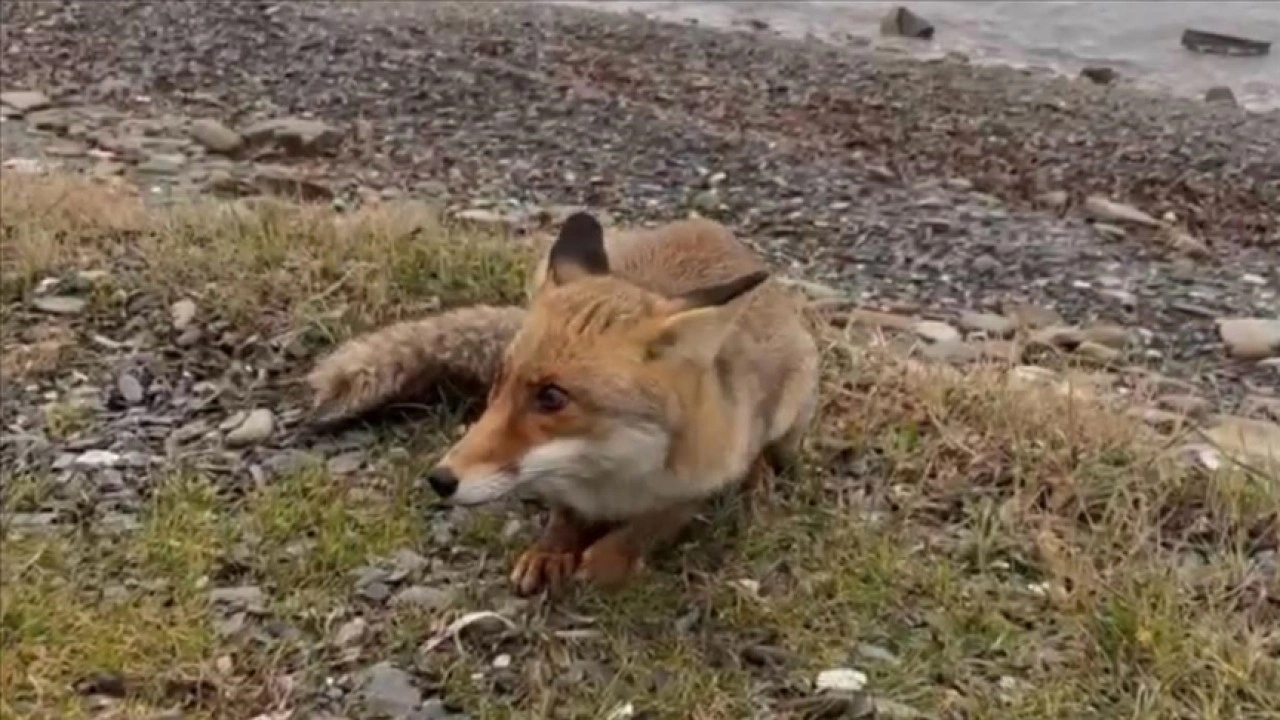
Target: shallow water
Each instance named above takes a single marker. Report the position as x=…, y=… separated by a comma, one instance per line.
x=1141, y=40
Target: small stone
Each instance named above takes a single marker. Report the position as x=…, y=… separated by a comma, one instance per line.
x=189, y=337
x=480, y=216
x=1098, y=352
x=130, y=389
x=257, y=427
x=1053, y=200
x=1101, y=208
x=1184, y=404
x=502, y=662
x=163, y=164
x=215, y=136
x=388, y=691
x=904, y=23
x=1220, y=94
x=953, y=351
x=841, y=680
x=287, y=183
x=894, y=710
x=1113, y=336
x=346, y=463
x=409, y=562
x=1250, y=338
x=882, y=320
x=1109, y=231
x=1124, y=297
x=422, y=597
x=1254, y=442
x=877, y=654
x=297, y=136
x=1099, y=74
x=936, y=331
x=997, y=326
x=95, y=459
x=244, y=597
x=60, y=304
x=351, y=633
x=24, y=101
x=1057, y=336
x=182, y=313
x=1030, y=317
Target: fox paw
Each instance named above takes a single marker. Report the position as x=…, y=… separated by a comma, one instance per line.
x=608, y=565
x=537, y=568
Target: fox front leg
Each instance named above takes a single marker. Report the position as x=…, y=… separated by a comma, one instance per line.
x=619, y=555
x=555, y=555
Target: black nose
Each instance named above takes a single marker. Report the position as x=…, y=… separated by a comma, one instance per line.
x=443, y=481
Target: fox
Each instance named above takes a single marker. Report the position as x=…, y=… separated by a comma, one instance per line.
x=650, y=370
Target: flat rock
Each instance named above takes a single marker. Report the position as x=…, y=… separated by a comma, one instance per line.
x=60, y=304
x=256, y=428
x=1250, y=338
x=1100, y=74
x=215, y=136
x=346, y=463
x=163, y=164
x=1101, y=208
x=24, y=100
x=94, y=459
x=997, y=326
x=1098, y=352
x=388, y=691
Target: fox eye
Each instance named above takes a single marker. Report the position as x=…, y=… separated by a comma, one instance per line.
x=550, y=398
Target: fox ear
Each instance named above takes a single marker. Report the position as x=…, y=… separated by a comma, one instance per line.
x=577, y=252
x=698, y=321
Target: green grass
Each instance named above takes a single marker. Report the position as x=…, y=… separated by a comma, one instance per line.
x=1019, y=553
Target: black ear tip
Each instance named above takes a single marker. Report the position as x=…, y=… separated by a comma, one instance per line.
x=581, y=224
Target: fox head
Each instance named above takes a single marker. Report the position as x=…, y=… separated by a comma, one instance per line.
x=594, y=387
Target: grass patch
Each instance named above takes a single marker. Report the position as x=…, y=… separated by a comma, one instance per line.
x=977, y=548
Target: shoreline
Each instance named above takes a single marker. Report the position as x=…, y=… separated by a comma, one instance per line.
x=867, y=40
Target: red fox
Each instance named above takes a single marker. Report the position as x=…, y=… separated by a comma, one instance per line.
x=651, y=370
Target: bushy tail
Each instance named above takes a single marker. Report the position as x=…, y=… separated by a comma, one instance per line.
x=400, y=362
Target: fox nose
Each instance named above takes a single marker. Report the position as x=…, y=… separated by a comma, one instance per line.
x=443, y=481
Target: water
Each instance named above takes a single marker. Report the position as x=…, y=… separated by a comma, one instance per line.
x=1141, y=40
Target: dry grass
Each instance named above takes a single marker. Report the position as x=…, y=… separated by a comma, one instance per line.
x=1019, y=552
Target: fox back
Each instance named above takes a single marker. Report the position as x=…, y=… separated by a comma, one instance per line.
x=652, y=367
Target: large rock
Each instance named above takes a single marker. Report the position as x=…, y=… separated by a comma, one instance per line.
x=902, y=22
x=1250, y=338
x=296, y=136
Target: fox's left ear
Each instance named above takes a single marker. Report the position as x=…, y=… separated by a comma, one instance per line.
x=577, y=252
x=698, y=322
